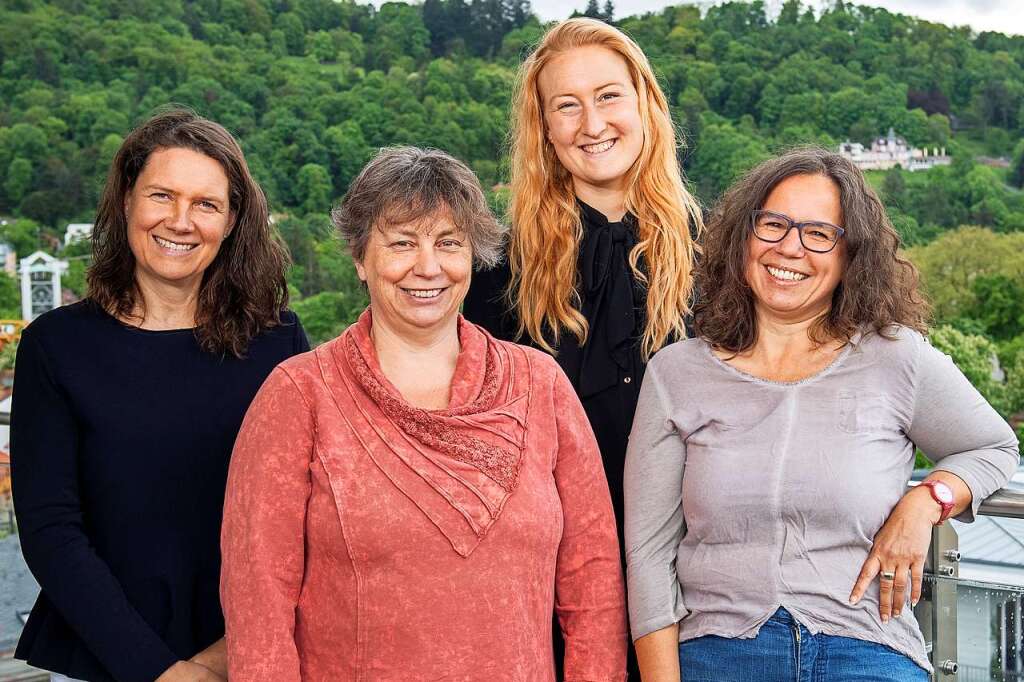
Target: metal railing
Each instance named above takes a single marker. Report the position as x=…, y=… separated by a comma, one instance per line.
x=956, y=614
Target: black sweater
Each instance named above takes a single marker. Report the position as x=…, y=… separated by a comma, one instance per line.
x=120, y=442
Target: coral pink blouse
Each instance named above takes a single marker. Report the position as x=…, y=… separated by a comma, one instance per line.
x=365, y=539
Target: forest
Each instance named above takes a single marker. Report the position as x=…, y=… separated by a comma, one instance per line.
x=313, y=87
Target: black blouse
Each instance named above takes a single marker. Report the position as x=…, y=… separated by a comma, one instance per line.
x=607, y=370
x=120, y=442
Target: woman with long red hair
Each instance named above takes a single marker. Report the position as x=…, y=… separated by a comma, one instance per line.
x=599, y=270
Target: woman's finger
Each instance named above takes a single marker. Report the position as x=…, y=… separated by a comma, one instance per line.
x=899, y=589
x=868, y=571
x=916, y=578
x=886, y=580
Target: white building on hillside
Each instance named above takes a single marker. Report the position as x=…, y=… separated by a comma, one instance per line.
x=891, y=151
x=77, y=232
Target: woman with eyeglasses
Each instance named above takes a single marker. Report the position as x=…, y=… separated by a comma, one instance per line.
x=769, y=531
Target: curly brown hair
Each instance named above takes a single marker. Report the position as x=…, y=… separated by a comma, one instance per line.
x=244, y=289
x=879, y=288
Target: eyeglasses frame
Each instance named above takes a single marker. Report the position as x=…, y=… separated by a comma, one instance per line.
x=793, y=224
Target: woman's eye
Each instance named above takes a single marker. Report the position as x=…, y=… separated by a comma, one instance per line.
x=206, y=205
x=450, y=244
x=609, y=96
x=565, y=106
x=160, y=196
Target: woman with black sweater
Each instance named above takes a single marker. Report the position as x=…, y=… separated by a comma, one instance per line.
x=126, y=407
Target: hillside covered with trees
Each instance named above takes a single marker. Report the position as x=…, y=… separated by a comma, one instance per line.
x=313, y=87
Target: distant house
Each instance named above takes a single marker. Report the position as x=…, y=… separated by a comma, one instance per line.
x=77, y=232
x=891, y=151
x=8, y=259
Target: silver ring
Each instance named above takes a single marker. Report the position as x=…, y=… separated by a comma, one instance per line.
x=888, y=575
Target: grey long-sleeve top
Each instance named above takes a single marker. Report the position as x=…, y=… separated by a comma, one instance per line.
x=743, y=495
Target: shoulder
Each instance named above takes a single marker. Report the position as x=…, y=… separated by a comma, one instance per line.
x=895, y=345
x=281, y=340
x=685, y=356
x=73, y=318
x=66, y=328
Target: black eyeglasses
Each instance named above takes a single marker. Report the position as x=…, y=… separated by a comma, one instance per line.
x=815, y=235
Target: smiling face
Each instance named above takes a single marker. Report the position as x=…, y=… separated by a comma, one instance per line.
x=178, y=214
x=592, y=114
x=790, y=283
x=417, y=274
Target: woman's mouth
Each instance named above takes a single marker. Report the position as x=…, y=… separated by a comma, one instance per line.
x=785, y=275
x=177, y=247
x=598, y=147
x=424, y=293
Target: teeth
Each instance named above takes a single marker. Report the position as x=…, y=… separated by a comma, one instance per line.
x=424, y=293
x=786, y=274
x=173, y=246
x=598, y=148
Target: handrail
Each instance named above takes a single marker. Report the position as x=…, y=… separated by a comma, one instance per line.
x=1006, y=502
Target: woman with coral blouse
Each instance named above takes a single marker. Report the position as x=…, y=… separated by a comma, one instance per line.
x=412, y=499
x=599, y=268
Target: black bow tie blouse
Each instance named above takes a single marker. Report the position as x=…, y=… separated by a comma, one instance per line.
x=607, y=370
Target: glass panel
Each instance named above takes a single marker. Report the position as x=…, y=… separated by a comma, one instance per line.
x=988, y=627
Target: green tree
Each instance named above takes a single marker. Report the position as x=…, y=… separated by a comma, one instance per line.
x=10, y=297
x=1000, y=305
x=327, y=314
x=313, y=189
x=19, y=180
x=950, y=265
x=975, y=356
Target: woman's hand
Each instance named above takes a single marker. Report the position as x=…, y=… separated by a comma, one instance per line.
x=899, y=549
x=187, y=671
x=214, y=657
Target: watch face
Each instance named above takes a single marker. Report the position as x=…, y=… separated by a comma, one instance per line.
x=943, y=492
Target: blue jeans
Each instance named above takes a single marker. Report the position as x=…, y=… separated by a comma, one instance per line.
x=785, y=651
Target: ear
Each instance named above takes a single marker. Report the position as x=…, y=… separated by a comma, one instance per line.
x=232, y=216
x=360, y=271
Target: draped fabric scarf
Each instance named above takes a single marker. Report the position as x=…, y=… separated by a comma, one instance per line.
x=460, y=465
x=611, y=297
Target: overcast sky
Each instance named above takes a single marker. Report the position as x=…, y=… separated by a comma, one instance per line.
x=1006, y=16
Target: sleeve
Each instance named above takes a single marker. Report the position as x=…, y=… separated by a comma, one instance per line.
x=485, y=302
x=654, y=525
x=263, y=534
x=301, y=341
x=75, y=579
x=589, y=593
x=958, y=430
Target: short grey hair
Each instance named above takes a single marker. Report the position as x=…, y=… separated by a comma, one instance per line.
x=402, y=184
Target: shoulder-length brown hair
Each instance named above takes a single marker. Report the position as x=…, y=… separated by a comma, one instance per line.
x=546, y=227
x=879, y=287
x=244, y=289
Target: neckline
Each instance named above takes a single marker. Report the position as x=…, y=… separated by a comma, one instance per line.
x=596, y=217
x=130, y=327
x=820, y=374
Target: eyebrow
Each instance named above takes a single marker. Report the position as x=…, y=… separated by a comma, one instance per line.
x=597, y=89
x=168, y=190
x=409, y=232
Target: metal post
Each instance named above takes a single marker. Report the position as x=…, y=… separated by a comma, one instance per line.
x=937, y=614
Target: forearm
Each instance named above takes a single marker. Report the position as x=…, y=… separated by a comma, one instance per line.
x=658, y=655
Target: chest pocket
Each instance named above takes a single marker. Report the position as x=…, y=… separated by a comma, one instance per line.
x=863, y=412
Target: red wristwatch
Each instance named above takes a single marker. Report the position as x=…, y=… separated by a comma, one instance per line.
x=942, y=494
